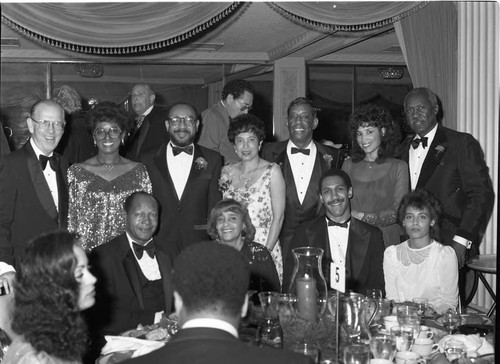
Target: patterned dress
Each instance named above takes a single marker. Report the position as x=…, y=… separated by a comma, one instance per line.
x=96, y=205
x=257, y=199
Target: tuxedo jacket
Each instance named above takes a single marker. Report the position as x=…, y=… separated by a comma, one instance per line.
x=455, y=171
x=296, y=212
x=120, y=302
x=364, y=256
x=27, y=208
x=150, y=136
x=214, y=346
x=183, y=221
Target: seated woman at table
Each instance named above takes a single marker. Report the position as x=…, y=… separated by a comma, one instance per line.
x=53, y=284
x=421, y=266
x=99, y=186
x=230, y=224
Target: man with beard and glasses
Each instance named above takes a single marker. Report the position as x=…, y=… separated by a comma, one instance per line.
x=346, y=241
x=185, y=181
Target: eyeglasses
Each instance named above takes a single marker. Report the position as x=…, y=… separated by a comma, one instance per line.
x=301, y=117
x=113, y=133
x=176, y=120
x=245, y=106
x=45, y=124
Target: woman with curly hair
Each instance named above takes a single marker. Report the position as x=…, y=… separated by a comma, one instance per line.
x=99, y=186
x=379, y=181
x=421, y=266
x=230, y=224
x=53, y=284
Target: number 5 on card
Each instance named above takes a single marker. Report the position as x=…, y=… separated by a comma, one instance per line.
x=337, y=277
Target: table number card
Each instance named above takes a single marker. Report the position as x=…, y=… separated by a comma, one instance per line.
x=337, y=277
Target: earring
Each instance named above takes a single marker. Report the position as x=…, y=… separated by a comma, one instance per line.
x=95, y=143
x=123, y=142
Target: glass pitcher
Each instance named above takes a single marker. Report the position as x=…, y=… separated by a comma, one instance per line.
x=356, y=314
x=308, y=283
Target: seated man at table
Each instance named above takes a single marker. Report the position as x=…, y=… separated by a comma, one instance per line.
x=210, y=286
x=134, y=279
x=346, y=241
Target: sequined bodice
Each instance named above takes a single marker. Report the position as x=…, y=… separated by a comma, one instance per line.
x=96, y=204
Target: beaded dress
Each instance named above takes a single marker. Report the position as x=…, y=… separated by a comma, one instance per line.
x=96, y=204
x=430, y=272
x=257, y=199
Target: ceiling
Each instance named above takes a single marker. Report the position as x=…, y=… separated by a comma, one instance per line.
x=244, y=45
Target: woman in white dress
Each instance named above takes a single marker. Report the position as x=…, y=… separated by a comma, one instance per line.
x=421, y=266
x=256, y=183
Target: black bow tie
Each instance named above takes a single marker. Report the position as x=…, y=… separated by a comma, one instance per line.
x=53, y=161
x=139, y=249
x=416, y=142
x=300, y=150
x=339, y=224
x=178, y=150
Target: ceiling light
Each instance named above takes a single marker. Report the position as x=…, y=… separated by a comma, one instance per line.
x=390, y=73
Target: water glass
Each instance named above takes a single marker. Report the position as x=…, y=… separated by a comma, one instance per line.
x=409, y=317
x=454, y=349
x=450, y=320
x=421, y=304
x=403, y=337
x=383, y=347
x=357, y=354
x=308, y=349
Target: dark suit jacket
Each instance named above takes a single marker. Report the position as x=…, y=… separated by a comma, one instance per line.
x=150, y=136
x=184, y=221
x=456, y=173
x=120, y=304
x=295, y=212
x=365, y=253
x=27, y=208
x=213, y=346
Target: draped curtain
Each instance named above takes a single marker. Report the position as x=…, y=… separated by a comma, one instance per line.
x=429, y=41
x=113, y=28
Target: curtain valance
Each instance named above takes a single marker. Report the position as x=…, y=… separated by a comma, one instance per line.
x=113, y=28
x=347, y=16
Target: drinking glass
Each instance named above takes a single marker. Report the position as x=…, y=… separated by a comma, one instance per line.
x=454, y=349
x=383, y=347
x=357, y=354
x=308, y=349
x=374, y=293
x=408, y=317
x=403, y=337
x=421, y=304
x=450, y=320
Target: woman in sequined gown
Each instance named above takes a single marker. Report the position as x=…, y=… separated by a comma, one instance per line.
x=256, y=183
x=421, y=266
x=99, y=186
x=230, y=224
x=379, y=181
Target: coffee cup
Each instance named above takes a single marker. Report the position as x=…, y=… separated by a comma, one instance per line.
x=424, y=347
x=389, y=322
x=425, y=332
x=409, y=357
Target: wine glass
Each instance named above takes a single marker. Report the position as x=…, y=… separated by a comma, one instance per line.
x=450, y=320
x=421, y=304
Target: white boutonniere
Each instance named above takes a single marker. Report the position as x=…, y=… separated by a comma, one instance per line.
x=201, y=163
x=328, y=159
x=439, y=149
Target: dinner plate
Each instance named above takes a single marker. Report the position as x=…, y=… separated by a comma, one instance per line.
x=470, y=319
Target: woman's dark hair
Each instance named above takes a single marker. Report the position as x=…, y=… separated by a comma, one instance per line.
x=421, y=199
x=46, y=311
x=107, y=111
x=246, y=123
x=248, y=231
x=378, y=117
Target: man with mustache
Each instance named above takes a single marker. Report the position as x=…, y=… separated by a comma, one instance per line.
x=185, y=178
x=346, y=241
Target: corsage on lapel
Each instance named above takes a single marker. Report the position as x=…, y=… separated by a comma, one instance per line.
x=439, y=149
x=201, y=163
x=224, y=180
x=328, y=159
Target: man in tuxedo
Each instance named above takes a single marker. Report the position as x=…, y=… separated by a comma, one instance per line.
x=210, y=293
x=185, y=182
x=149, y=131
x=33, y=187
x=346, y=241
x=134, y=276
x=451, y=165
x=237, y=99
x=302, y=162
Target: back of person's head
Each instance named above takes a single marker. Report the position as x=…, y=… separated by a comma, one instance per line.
x=237, y=88
x=68, y=98
x=211, y=278
x=46, y=309
x=335, y=172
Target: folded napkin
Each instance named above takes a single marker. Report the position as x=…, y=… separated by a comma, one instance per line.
x=475, y=344
x=124, y=343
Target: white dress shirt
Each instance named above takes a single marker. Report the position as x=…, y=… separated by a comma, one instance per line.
x=211, y=323
x=338, y=238
x=50, y=175
x=149, y=266
x=417, y=157
x=302, y=167
x=179, y=168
